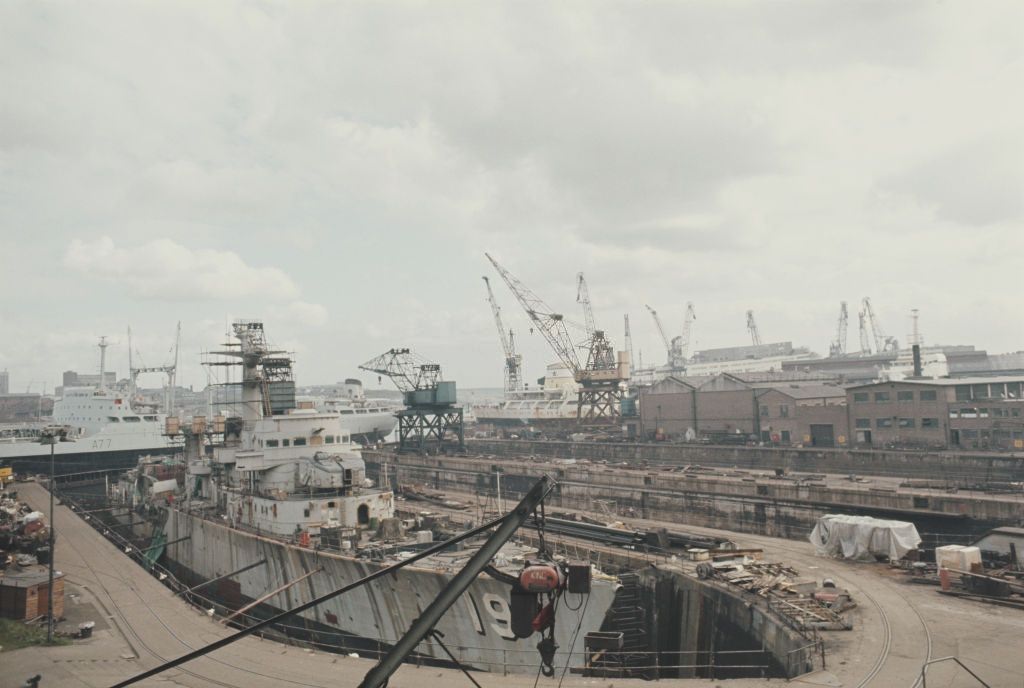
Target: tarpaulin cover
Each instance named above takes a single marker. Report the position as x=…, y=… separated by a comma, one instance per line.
x=863, y=537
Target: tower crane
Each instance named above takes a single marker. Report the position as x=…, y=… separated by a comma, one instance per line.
x=755, y=335
x=865, y=337
x=600, y=376
x=882, y=342
x=430, y=413
x=513, y=360
x=684, y=345
x=838, y=346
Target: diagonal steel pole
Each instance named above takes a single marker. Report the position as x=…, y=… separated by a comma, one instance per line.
x=389, y=663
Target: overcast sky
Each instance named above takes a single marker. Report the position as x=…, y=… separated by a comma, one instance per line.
x=339, y=169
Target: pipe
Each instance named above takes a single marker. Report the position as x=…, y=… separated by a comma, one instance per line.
x=389, y=663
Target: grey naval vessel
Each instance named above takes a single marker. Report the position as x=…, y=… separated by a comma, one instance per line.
x=283, y=491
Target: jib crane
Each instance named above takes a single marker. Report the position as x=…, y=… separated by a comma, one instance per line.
x=627, y=337
x=838, y=346
x=755, y=335
x=882, y=342
x=430, y=415
x=513, y=361
x=600, y=376
x=865, y=337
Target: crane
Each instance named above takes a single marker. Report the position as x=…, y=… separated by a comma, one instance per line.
x=865, y=337
x=755, y=336
x=684, y=344
x=551, y=325
x=628, y=338
x=430, y=413
x=661, y=331
x=170, y=369
x=838, y=346
x=583, y=298
x=513, y=361
x=600, y=376
x=882, y=342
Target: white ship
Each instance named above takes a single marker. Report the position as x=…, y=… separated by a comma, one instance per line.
x=104, y=430
x=555, y=402
x=366, y=420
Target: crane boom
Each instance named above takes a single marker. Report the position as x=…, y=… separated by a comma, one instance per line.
x=513, y=361
x=583, y=297
x=755, y=335
x=550, y=324
x=407, y=370
x=865, y=338
x=684, y=344
x=661, y=331
x=838, y=347
x=882, y=341
x=628, y=338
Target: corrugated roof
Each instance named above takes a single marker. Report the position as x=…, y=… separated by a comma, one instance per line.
x=949, y=381
x=809, y=391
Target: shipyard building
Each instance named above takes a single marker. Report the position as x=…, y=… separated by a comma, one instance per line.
x=980, y=413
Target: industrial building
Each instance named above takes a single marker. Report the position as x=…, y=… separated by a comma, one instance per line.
x=976, y=413
x=964, y=413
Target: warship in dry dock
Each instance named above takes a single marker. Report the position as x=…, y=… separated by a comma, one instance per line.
x=282, y=491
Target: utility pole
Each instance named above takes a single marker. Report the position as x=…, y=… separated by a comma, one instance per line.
x=51, y=436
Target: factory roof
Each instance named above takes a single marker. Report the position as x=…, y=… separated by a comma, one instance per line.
x=807, y=391
x=949, y=381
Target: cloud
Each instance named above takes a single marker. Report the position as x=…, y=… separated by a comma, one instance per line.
x=300, y=313
x=162, y=269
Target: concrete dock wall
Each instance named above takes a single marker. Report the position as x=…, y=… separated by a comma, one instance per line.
x=981, y=467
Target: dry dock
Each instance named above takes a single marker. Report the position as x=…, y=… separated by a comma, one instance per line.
x=897, y=628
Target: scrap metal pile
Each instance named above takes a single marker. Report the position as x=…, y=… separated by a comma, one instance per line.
x=24, y=533
x=803, y=604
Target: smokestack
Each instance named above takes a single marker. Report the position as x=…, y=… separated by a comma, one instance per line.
x=917, y=360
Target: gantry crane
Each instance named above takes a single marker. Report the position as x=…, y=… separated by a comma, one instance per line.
x=601, y=377
x=838, y=346
x=513, y=360
x=755, y=335
x=430, y=414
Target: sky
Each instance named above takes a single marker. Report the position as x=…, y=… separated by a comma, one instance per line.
x=338, y=169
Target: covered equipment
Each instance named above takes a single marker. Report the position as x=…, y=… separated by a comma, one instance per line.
x=863, y=537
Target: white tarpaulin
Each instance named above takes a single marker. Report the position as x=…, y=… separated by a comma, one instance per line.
x=863, y=537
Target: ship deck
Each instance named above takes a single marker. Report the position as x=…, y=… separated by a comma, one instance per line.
x=897, y=628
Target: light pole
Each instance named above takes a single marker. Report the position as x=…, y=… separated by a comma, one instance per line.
x=51, y=436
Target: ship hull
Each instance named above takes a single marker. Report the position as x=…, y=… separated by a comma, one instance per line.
x=66, y=463
x=476, y=628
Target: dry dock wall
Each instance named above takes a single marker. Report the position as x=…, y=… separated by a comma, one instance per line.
x=694, y=622
x=764, y=506
x=983, y=467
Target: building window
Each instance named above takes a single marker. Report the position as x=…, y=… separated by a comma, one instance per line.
x=979, y=391
x=997, y=391
x=329, y=439
x=906, y=422
x=1015, y=413
x=783, y=410
x=305, y=512
x=968, y=413
x=969, y=434
x=928, y=395
x=963, y=392
x=271, y=443
x=929, y=422
x=764, y=411
x=904, y=396
x=785, y=436
x=920, y=502
x=286, y=443
x=883, y=423
x=862, y=423
x=881, y=397
x=860, y=397
x=300, y=441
